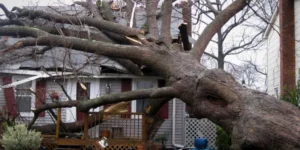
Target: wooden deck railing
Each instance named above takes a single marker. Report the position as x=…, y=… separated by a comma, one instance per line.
x=123, y=131
x=114, y=126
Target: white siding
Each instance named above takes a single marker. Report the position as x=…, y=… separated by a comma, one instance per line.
x=297, y=37
x=273, y=59
x=115, y=85
x=166, y=127
x=41, y=120
x=48, y=119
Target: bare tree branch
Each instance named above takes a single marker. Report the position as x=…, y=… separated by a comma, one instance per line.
x=215, y=26
x=244, y=46
x=91, y=7
x=211, y=55
x=211, y=7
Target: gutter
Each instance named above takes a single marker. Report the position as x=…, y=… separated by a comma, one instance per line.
x=25, y=80
x=173, y=127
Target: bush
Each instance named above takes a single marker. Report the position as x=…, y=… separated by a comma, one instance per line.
x=292, y=96
x=18, y=138
x=223, y=140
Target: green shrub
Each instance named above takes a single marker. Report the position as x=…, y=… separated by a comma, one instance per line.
x=292, y=96
x=161, y=138
x=18, y=138
x=223, y=140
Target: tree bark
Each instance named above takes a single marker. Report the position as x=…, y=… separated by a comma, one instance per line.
x=220, y=50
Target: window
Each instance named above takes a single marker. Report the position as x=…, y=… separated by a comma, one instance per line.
x=24, y=98
x=139, y=105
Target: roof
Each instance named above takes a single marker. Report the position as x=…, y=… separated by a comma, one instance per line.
x=57, y=58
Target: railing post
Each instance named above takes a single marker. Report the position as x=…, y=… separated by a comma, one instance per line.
x=86, y=126
x=144, y=128
x=58, y=123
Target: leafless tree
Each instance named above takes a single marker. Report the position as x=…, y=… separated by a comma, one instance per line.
x=241, y=33
x=254, y=119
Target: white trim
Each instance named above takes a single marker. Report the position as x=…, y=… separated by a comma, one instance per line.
x=21, y=72
x=71, y=90
x=22, y=81
x=32, y=72
x=118, y=76
x=94, y=91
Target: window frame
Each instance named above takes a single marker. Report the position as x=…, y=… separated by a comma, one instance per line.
x=134, y=87
x=33, y=86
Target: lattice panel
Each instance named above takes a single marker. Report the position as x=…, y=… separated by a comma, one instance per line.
x=111, y=147
x=199, y=128
x=48, y=146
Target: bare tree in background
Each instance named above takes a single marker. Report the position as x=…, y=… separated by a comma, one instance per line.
x=254, y=119
x=240, y=34
x=249, y=74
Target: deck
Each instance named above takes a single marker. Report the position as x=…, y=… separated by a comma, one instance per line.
x=123, y=131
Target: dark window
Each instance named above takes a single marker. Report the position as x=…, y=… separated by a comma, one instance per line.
x=24, y=97
x=142, y=103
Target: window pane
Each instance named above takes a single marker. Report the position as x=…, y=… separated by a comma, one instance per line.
x=23, y=89
x=141, y=104
x=23, y=103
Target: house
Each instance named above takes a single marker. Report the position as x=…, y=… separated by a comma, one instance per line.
x=58, y=72
x=282, y=36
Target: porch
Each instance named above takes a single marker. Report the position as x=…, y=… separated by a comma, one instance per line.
x=122, y=130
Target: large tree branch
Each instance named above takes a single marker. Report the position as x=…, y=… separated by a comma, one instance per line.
x=91, y=7
x=98, y=36
x=155, y=104
x=135, y=53
x=84, y=106
x=4, y=22
x=166, y=22
x=215, y=26
x=131, y=67
x=151, y=6
x=127, y=96
x=100, y=24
